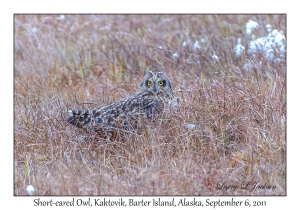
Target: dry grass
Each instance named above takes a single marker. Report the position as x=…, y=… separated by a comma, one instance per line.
x=84, y=61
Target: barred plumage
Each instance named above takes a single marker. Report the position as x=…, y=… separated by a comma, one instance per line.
x=154, y=93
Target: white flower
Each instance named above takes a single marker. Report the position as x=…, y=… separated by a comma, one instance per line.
x=190, y=126
x=175, y=56
x=279, y=38
x=202, y=40
x=274, y=33
x=184, y=44
x=30, y=189
x=196, y=45
x=34, y=29
x=269, y=45
x=282, y=51
x=61, y=17
x=215, y=58
x=238, y=50
x=250, y=26
x=259, y=44
x=269, y=28
x=269, y=54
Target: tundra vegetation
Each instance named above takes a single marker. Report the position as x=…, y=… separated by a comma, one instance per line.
x=229, y=72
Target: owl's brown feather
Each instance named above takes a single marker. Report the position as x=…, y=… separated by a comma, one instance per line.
x=129, y=113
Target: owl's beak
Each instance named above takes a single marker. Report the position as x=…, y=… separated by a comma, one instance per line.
x=154, y=90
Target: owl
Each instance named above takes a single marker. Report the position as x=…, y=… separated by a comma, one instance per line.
x=153, y=97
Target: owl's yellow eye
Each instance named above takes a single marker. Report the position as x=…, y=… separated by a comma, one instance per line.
x=160, y=83
x=149, y=83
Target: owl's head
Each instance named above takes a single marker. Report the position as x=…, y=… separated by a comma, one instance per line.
x=156, y=83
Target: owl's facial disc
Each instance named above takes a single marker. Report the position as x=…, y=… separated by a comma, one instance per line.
x=153, y=88
x=155, y=82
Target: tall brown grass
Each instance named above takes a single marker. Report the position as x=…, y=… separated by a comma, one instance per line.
x=85, y=61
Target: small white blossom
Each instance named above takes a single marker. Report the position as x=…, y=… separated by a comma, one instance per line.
x=269, y=54
x=61, y=17
x=250, y=26
x=269, y=45
x=269, y=28
x=196, y=45
x=274, y=33
x=30, y=189
x=261, y=45
x=202, y=40
x=215, y=58
x=184, y=44
x=238, y=50
x=34, y=29
x=190, y=126
x=279, y=39
x=175, y=56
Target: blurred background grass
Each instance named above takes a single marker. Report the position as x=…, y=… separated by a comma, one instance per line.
x=235, y=100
